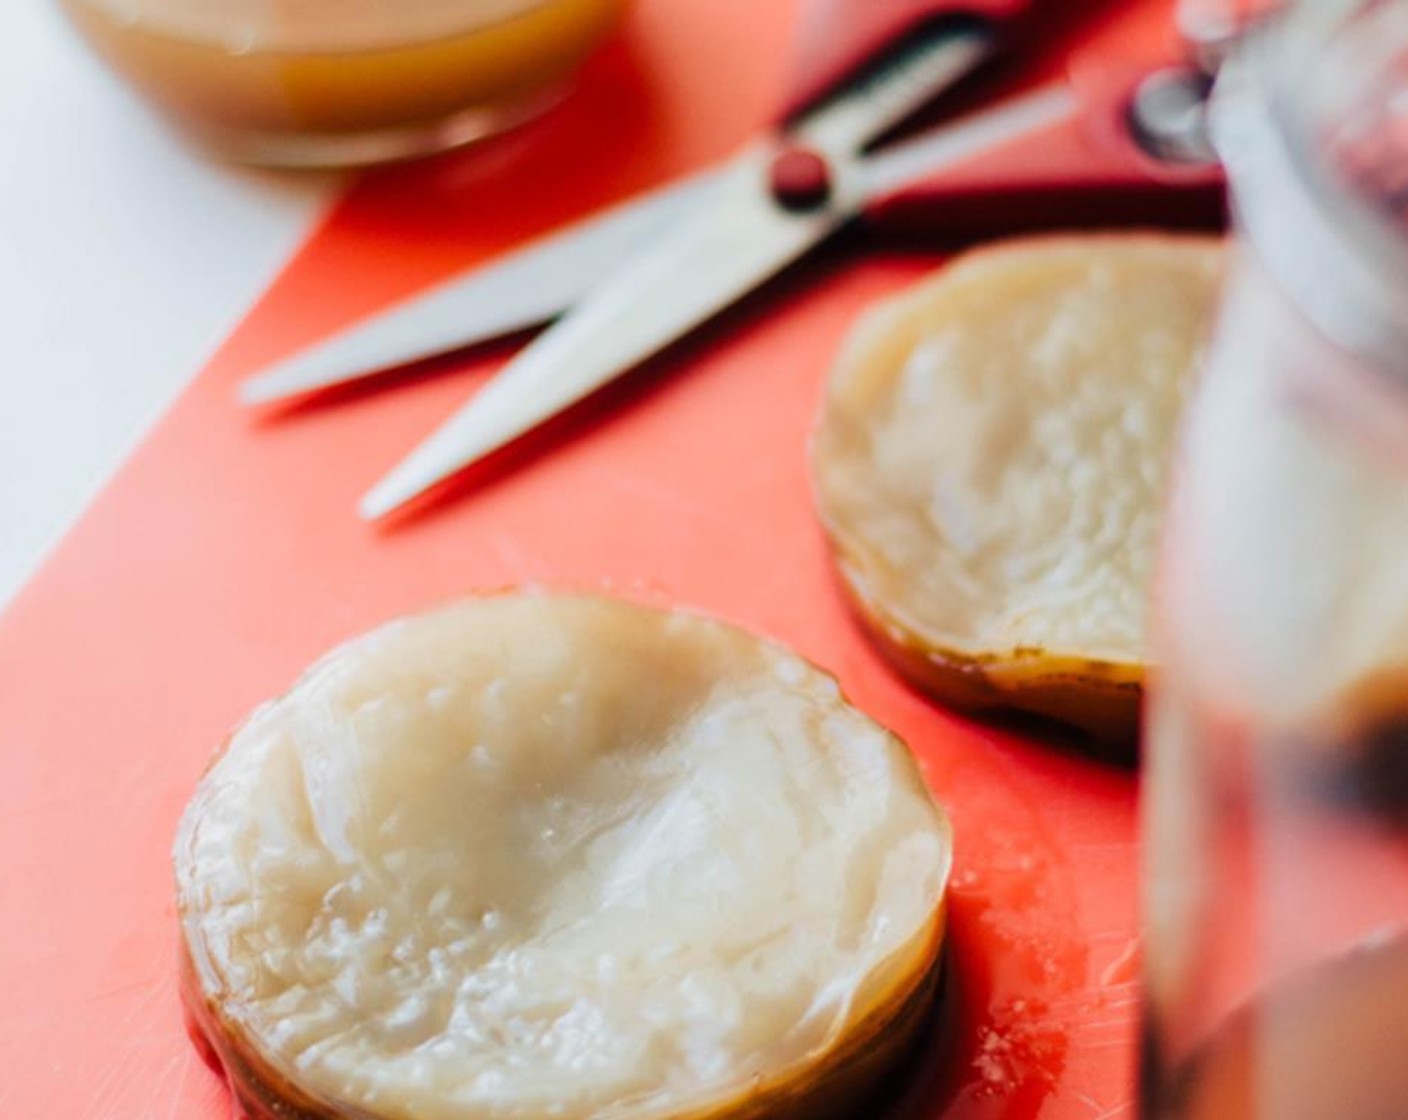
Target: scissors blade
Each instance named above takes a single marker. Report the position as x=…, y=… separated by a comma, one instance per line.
x=723, y=249
x=524, y=289
x=900, y=165
x=719, y=250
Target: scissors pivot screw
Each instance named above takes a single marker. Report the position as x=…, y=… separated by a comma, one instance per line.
x=1169, y=116
x=800, y=179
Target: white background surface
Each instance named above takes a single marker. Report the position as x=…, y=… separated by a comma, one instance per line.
x=124, y=260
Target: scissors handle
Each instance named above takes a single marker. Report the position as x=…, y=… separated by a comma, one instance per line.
x=838, y=38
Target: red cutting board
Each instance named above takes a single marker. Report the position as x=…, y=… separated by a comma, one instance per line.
x=225, y=555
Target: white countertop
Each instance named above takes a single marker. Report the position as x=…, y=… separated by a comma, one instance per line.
x=124, y=260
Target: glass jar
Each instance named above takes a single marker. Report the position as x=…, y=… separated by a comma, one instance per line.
x=330, y=82
x=1276, y=794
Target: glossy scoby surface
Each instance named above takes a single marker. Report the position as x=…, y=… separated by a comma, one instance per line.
x=534, y=855
x=992, y=455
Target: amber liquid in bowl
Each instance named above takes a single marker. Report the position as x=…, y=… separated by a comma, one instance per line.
x=324, y=87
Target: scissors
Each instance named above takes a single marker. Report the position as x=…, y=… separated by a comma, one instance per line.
x=1116, y=141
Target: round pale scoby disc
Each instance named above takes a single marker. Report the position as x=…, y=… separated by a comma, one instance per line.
x=556, y=856
x=990, y=464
